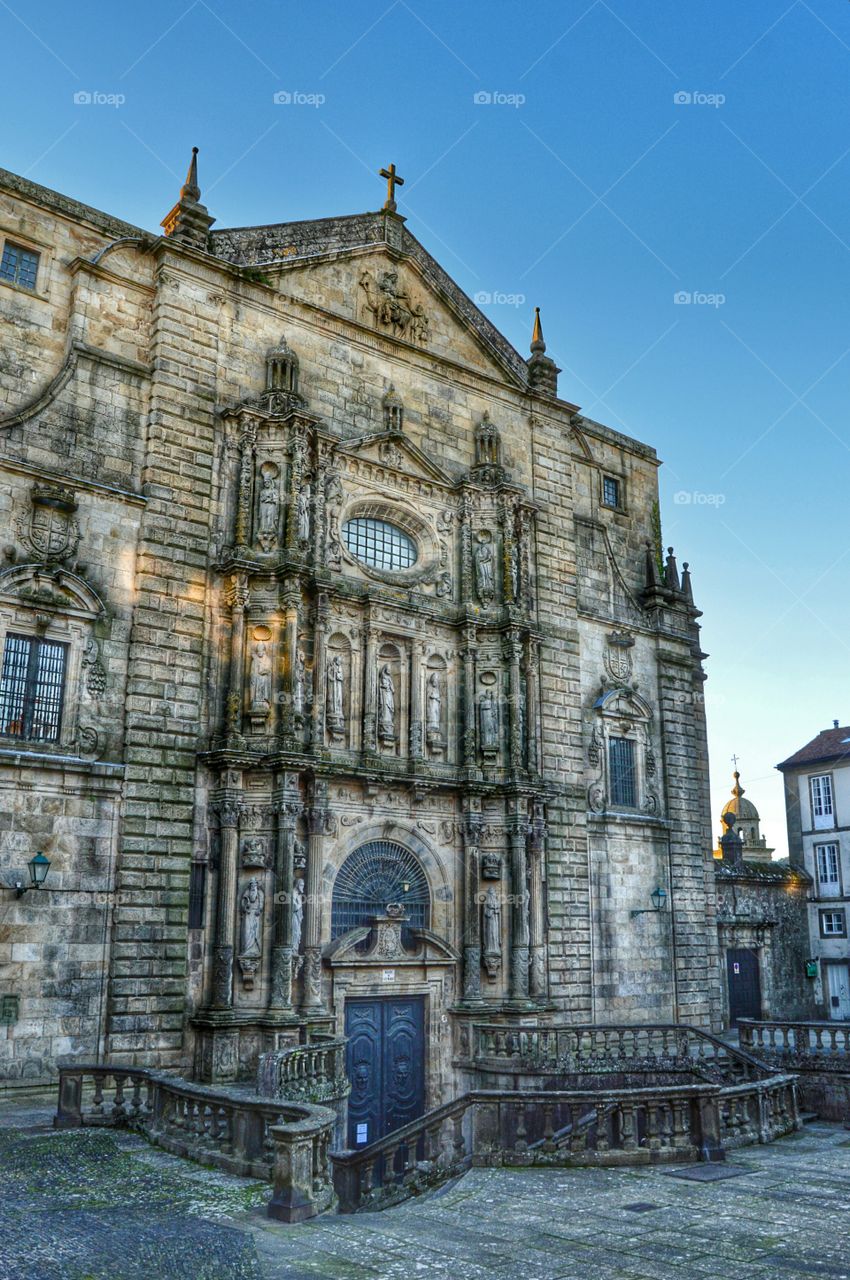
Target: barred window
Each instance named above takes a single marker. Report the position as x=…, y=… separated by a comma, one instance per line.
x=610, y=491
x=19, y=265
x=197, y=894
x=374, y=876
x=379, y=544
x=32, y=687
x=621, y=760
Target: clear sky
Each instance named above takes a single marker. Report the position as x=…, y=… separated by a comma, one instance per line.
x=594, y=157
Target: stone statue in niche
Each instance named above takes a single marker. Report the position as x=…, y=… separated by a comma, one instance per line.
x=298, y=681
x=297, y=921
x=269, y=506
x=335, y=694
x=302, y=512
x=386, y=704
x=484, y=575
x=434, y=710
x=489, y=721
x=261, y=676
x=443, y=585
x=492, y=933
x=251, y=906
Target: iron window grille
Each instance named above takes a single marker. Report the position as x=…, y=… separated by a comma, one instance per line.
x=19, y=265
x=371, y=878
x=379, y=544
x=621, y=759
x=32, y=688
x=832, y=924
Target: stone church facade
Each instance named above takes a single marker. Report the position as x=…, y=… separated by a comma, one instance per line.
x=342, y=668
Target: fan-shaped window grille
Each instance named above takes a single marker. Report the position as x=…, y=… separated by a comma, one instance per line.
x=373, y=876
x=379, y=544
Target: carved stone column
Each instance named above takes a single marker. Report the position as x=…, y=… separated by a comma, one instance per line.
x=471, y=905
x=237, y=598
x=287, y=806
x=532, y=704
x=317, y=732
x=291, y=600
x=469, y=753
x=513, y=654
x=416, y=730
x=467, y=594
x=537, y=903
x=297, y=465
x=229, y=810
x=506, y=514
x=313, y=904
x=370, y=692
x=245, y=496
x=519, y=935
x=524, y=527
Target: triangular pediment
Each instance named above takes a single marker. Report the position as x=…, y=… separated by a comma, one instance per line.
x=392, y=451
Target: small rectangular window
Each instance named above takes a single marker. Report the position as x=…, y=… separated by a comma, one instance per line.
x=197, y=894
x=829, y=878
x=32, y=687
x=621, y=757
x=610, y=491
x=832, y=924
x=19, y=265
x=9, y=1010
x=820, y=789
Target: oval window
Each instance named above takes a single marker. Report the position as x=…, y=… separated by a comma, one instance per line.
x=378, y=543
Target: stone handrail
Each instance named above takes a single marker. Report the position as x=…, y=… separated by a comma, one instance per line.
x=598, y=1049
x=313, y=1072
x=564, y=1127
x=822, y=1045
x=284, y=1142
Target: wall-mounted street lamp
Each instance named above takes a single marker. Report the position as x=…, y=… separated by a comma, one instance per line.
x=658, y=898
x=38, y=869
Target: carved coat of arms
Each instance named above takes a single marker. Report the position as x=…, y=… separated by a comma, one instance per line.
x=50, y=532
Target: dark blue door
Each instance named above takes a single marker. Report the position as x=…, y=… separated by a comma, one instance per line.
x=385, y=1062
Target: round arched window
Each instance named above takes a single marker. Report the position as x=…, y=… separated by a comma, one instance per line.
x=371, y=878
x=379, y=544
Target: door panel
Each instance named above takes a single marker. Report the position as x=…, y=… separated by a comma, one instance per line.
x=385, y=1062
x=744, y=984
x=838, y=990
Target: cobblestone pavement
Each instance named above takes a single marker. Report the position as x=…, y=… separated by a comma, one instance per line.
x=103, y=1205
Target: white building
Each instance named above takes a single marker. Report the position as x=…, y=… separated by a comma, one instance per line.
x=817, y=806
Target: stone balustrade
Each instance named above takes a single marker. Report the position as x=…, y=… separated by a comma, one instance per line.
x=559, y=1127
x=284, y=1142
x=823, y=1046
x=603, y=1050
x=313, y=1072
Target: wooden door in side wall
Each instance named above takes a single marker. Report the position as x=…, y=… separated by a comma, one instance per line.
x=744, y=984
x=385, y=1063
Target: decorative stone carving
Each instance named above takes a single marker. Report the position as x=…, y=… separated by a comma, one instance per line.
x=443, y=586
x=434, y=711
x=335, y=697
x=484, y=572
x=260, y=679
x=492, y=933
x=618, y=658
x=491, y=865
x=94, y=669
x=488, y=719
x=488, y=467
x=392, y=307
x=297, y=918
x=49, y=532
x=251, y=906
x=254, y=853
x=386, y=705
x=302, y=516
x=298, y=685
x=393, y=412
x=269, y=522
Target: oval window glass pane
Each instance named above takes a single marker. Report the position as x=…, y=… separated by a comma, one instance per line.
x=378, y=543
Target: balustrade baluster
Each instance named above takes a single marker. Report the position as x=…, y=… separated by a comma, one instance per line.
x=681, y=1135
x=458, y=1144
x=97, y=1098
x=628, y=1135
x=601, y=1124
x=548, y=1127
x=653, y=1134
x=118, y=1108
x=578, y=1133
x=520, y=1140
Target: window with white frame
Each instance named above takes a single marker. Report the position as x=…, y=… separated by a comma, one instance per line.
x=832, y=924
x=829, y=876
x=820, y=790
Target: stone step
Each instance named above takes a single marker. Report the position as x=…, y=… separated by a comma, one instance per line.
x=809, y=1117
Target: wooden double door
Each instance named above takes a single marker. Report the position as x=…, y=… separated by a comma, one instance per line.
x=385, y=1063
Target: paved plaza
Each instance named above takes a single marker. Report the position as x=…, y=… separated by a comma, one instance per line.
x=104, y=1205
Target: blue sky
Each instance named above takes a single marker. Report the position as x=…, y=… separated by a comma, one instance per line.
x=585, y=185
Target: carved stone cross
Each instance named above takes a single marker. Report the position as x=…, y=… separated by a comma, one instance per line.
x=393, y=181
